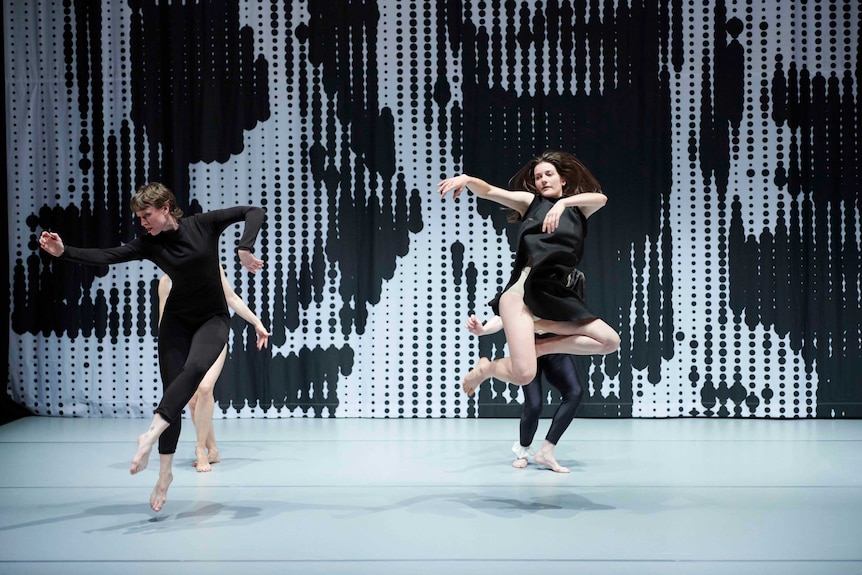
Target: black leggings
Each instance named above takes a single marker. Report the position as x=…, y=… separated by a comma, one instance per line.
x=186, y=352
x=559, y=370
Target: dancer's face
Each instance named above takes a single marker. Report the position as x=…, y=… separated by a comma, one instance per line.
x=548, y=182
x=156, y=220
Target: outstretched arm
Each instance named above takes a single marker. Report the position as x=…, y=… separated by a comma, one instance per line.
x=493, y=325
x=52, y=243
x=242, y=310
x=518, y=201
x=476, y=327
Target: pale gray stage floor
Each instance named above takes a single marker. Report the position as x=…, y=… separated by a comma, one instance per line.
x=437, y=496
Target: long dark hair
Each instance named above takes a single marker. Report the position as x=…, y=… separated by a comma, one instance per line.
x=578, y=178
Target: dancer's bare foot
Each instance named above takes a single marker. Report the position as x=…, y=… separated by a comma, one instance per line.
x=142, y=455
x=475, y=376
x=202, y=463
x=212, y=456
x=546, y=459
x=160, y=491
x=520, y=463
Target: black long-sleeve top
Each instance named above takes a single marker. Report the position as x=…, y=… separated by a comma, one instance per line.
x=189, y=255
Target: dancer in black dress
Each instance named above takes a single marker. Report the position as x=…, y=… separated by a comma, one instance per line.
x=560, y=196
x=195, y=324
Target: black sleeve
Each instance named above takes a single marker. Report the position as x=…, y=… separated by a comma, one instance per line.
x=104, y=256
x=253, y=217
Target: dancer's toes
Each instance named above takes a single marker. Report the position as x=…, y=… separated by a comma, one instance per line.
x=160, y=491
x=520, y=463
x=142, y=455
x=547, y=460
x=202, y=463
x=475, y=376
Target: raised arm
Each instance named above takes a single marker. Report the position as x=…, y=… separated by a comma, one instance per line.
x=242, y=310
x=253, y=218
x=518, y=201
x=588, y=202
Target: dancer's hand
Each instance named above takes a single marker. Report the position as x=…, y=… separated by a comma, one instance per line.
x=52, y=243
x=552, y=220
x=458, y=184
x=262, y=336
x=248, y=261
x=475, y=326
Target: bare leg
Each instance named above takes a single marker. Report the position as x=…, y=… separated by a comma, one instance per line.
x=476, y=376
x=193, y=403
x=545, y=457
x=160, y=491
x=593, y=337
x=206, y=451
x=520, y=367
x=145, y=444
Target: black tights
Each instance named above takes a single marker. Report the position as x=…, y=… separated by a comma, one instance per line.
x=559, y=370
x=186, y=352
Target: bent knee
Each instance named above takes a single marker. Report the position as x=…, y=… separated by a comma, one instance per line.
x=524, y=375
x=611, y=343
x=532, y=411
x=205, y=387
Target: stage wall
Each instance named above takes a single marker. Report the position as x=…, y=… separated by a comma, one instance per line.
x=725, y=134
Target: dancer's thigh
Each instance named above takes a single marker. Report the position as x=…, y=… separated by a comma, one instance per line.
x=520, y=336
x=594, y=328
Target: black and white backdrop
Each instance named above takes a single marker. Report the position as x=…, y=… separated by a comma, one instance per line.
x=725, y=134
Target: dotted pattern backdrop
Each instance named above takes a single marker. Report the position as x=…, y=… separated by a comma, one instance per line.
x=725, y=134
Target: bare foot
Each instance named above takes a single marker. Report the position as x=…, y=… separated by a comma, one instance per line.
x=475, y=376
x=547, y=460
x=142, y=455
x=160, y=491
x=202, y=463
x=520, y=463
x=212, y=456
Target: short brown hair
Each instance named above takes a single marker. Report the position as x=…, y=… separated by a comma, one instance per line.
x=156, y=195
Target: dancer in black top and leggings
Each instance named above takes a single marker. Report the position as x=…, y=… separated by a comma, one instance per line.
x=559, y=370
x=195, y=324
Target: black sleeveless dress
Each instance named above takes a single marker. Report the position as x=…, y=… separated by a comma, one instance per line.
x=554, y=288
